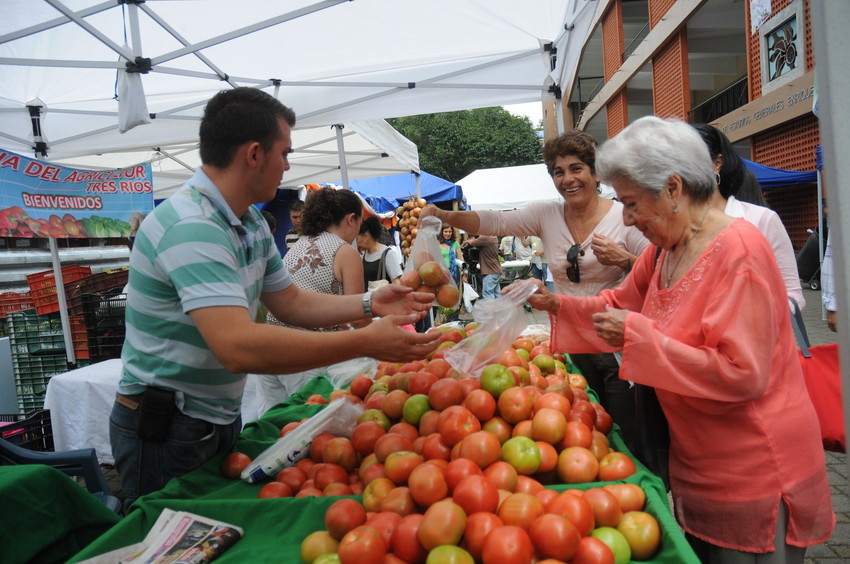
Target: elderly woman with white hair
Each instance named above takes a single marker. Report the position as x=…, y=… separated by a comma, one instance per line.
x=705, y=322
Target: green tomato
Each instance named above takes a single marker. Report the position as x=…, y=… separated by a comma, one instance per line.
x=616, y=542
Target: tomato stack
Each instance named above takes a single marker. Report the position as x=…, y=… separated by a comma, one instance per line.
x=453, y=469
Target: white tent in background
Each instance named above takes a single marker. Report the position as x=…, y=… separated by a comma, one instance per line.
x=369, y=148
x=64, y=63
x=508, y=188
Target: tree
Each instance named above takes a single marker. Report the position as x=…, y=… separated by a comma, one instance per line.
x=454, y=144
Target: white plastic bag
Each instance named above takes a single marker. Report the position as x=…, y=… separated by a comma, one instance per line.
x=338, y=418
x=501, y=322
x=425, y=251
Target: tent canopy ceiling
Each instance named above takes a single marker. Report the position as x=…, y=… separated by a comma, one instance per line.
x=770, y=177
x=397, y=188
x=332, y=61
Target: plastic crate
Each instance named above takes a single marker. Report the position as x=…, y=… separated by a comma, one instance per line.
x=14, y=301
x=33, y=334
x=32, y=374
x=43, y=286
x=96, y=283
x=104, y=316
x=32, y=431
x=79, y=337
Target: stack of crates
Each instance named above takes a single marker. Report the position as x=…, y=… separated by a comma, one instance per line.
x=38, y=352
x=104, y=318
x=43, y=286
x=12, y=301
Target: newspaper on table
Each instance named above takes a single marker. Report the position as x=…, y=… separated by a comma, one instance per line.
x=177, y=537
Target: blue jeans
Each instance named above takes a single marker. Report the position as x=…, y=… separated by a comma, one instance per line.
x=490, y=286
x=146, y=466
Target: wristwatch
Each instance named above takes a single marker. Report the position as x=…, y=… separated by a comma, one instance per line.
x=367, y=304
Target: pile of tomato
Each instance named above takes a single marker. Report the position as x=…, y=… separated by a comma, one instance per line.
x=454, y=469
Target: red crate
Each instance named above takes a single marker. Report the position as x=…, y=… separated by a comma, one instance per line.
x=43, y=286
x=79, y=337
x=14, y=301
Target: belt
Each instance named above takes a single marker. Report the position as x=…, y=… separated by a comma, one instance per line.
x=130, y=402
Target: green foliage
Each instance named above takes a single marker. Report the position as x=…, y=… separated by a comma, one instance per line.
x=454, y=144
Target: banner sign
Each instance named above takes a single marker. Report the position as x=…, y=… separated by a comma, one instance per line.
x=40, y=199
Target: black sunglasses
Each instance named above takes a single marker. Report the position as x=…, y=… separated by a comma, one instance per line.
x=572, y=257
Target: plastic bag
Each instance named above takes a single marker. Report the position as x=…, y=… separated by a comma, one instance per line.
x=427, y=258
x=501, y=322
x=338, y=418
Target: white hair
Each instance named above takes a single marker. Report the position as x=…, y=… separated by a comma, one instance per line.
x=651, y=150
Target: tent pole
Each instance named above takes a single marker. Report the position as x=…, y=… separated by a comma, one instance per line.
x=340, y=144
x=63, y=305
x=820, y=237
x=418, y=188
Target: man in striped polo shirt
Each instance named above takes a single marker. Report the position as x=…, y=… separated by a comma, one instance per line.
x=201, y=263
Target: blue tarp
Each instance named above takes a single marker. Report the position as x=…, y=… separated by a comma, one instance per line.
x=771, y=178
x=397, y=188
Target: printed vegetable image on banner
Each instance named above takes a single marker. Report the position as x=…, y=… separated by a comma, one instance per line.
x=40, y=199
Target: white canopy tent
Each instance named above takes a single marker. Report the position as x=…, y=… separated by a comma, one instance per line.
x=63, y=62
x=512, y=187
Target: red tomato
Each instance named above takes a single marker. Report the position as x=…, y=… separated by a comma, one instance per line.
x=328, y=473
x=554, y=536
x=289, y=427
x=606, y=509
x=630, y=496
x=405, y=540
x=435, y=448
x=546, y=496
x=364, y=436
x=526, y=484
x=476, y=493
x=548, y=457
x=593, y=551
x=292, y=476
x=503, y=475
x=421, y=382
x=430, y=422
x=548, y=425
x=362, y=545
x=478, y=526
x=642, y=533
x=389, y=443
x=553, y=400
x=458, y=469
x=616, y=466
x=406, y=429
x=456, y=422
x=340, y=450
x=604, y=421
x=522, y=429
x=481, y=403
x=444, y=523
x=481, y=447
x=445, y=393
x=507, y=545
x=427, y=484
x=275, y=489
x=515, y=405
x=393, y=403
x=343, y=516
x=233, y=464
x=520, y=509
x=576, y=509
x=577, y=433
x=336, y=489
x=499, y=427
x=399, y=500
x=375, y=492
x=317, y=447
x=385, y=523
x=577, y=465
x=399, y=465
x=360, y=386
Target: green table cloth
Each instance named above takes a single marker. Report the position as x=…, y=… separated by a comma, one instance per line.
x=45, y=516
x=275, y=527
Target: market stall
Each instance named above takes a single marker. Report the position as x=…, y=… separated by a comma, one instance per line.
x=274, y=528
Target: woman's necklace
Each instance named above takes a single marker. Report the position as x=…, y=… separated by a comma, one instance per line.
x=672, y=271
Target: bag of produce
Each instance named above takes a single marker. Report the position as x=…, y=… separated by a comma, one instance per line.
x=426, y=271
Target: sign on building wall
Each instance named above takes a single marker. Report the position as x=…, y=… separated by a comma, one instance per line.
x=41, y=199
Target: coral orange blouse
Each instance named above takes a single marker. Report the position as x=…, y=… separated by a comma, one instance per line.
x=719, y=349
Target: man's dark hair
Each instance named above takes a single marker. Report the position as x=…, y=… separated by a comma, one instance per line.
x=238, y=116
x=296, y=206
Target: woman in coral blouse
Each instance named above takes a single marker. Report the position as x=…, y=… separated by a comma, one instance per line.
x=706, y=323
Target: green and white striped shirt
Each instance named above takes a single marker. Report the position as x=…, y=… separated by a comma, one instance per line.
x=193, y=252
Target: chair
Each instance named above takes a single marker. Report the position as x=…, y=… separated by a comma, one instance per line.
x=81, y=462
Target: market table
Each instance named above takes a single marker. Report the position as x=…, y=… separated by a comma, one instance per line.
x=275, y=527
x=80, y=402
x=46, y=516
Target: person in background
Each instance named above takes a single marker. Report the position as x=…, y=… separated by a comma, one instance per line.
x=270, y=220
x=588, y=247
x=706, y=324
x=296, y=208
x=488, y=263
x=323, y=259
x=750, y=190
x=451, y=251
x=376, y=255
x=537, y=257
x=205, y=259
x=730, y=174
x=828, y=293
x=515, y=248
